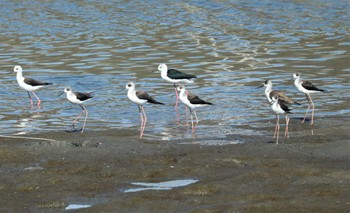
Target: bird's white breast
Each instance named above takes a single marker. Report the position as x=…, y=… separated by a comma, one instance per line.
x=277, y=108
x=20, y=81
x=132, y=96
x=73, y=99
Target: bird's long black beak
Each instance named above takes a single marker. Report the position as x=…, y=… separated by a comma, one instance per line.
x=60, y=94
x=260, y=86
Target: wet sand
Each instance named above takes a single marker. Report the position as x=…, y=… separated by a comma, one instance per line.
x=306, y=173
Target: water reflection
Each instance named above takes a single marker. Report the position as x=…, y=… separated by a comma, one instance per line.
x=77, y=206
x=231, y=46
x=166, y=185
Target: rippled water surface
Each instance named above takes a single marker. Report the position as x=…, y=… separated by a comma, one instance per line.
x=232, y=47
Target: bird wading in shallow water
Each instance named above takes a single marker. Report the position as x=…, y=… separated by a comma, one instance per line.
x=174, y=76
x=29, y=84
x=280, y=108
x=191, y=101
x=78, y=98
x=280, y=94
x=307, y=88
x=140, y=97
x=282, y=98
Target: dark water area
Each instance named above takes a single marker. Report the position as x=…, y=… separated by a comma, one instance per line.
x=232, y=46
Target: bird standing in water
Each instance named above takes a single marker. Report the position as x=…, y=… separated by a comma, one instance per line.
x=140, y=97
x=307, y=88
x=282, y=98
x=78, y=98
x=191, y=101
x=174, y=76
x=280, y=108
x=29, y=84
x=269, y=92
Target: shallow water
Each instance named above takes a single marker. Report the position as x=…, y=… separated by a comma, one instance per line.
x=232, y=46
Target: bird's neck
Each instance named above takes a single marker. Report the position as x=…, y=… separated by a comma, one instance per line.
x=297, y=81
x=268, y=89
x=19, y=76
x=163, y=73
x=275, y=103
x=183, y=93
x=131, y=91
x=70, y=94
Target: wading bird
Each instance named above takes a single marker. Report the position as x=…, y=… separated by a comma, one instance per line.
x=191, y=101
x=140, y=97
x=269, y=92
x=279, y=108
x=307, y=87
x=29, y=84
x=78, y=98
x=174, y=76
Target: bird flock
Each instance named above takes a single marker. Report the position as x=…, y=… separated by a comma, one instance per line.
x=277, y=99
x=280, y=102
x=138, y=97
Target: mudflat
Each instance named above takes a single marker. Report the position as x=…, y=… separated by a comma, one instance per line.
x=309, y=172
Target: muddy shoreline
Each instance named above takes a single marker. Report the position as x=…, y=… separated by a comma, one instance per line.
x=309, y=172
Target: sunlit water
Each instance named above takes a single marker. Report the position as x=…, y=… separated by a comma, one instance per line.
x=232, y=47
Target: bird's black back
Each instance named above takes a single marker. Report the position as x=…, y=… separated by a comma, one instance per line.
x=145, y=96
x=194, y=99
x=309, y=86
x=33, y=82
x=175, y=74
x=284, y=106
x=82, y=96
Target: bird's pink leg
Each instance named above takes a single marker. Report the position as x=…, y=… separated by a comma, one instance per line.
x=274, y=134
x=144, y=117
x=76, y=119
x=286, y=132
x=195, y=114
x=278, y=129
x=186, y=110
x=86, y=114
x=177, y=97
x=142, y=121
x=308, y=99
x=30, y=99
x=39, y=101
x=191, y=119
x=313, y=110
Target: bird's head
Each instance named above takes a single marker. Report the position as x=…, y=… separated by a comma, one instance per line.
x=296, y=75
x=180, y=88
x=162, y=67
x=130, y=85
x=17, y=68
